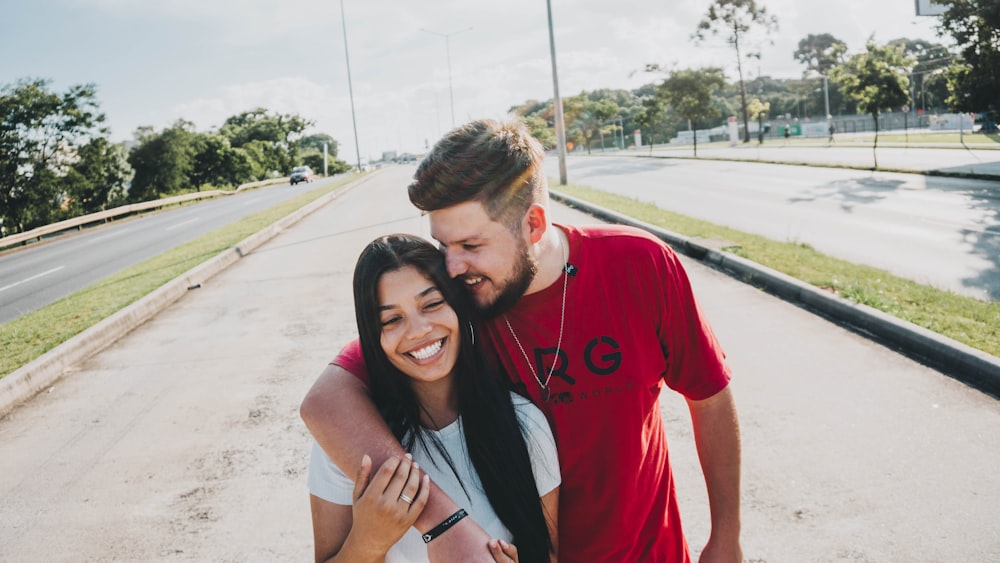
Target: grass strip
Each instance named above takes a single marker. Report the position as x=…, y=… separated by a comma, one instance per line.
x=28, y=337
x=964, y=319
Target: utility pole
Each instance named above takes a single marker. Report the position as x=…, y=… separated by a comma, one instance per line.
x=350, y=88
x=557, y=103
x=447, y=48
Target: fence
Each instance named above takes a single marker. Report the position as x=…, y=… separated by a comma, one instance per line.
x=103, y=216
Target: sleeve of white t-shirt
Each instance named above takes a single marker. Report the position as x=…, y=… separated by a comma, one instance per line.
x=541, y=445
x=326, y=480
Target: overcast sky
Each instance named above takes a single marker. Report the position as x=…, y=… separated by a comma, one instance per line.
x=203, y=60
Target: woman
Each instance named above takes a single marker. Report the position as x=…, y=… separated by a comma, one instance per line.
x=485, y=447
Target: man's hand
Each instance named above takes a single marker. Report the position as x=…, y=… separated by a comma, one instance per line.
x=721, y=552
x=503, y=552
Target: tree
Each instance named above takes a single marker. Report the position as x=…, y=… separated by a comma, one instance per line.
x=275, y=137
x=974, y=80
x=734, y=19
x=40, y=132
x=162, y=161
x=315, y=142
x=588, y=118
x=820, y=53
x=98, y=179
x=877, y=79
x=690, y=92
x=928, y=74
x=215, y=162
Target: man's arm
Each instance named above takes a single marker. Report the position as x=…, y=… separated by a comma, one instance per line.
x=717, y=437
x=339, y=413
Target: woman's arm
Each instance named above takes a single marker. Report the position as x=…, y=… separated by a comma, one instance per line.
x=339, y=413
x=550, y=507
x=365, y=531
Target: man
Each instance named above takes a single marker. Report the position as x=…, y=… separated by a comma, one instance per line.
x=589, y=322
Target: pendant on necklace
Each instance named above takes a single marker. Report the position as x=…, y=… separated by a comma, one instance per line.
x=545, y=394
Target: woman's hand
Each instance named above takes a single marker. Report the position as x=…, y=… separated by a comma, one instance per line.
x=388, y=505
x=503, y=552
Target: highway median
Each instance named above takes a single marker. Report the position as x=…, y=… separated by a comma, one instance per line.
x=41, y=346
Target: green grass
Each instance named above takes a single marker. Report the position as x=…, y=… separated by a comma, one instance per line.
x=965, y=319
x=28, y=337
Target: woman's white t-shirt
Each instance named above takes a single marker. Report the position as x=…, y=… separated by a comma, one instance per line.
x=329, y=483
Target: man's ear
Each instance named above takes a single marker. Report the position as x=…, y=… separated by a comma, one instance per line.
x=536, y=222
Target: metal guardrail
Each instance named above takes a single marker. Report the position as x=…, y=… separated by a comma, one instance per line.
x=78, y=222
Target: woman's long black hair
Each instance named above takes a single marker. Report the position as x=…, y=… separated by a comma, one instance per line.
x=493, y=434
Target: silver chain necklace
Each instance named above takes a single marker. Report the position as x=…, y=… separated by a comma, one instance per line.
x=562, y=318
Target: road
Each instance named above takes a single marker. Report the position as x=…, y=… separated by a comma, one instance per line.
x=40, y=274
x=943, y=232
x=182, y=441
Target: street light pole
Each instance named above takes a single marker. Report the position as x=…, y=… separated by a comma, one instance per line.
x=557, y=103
x=447, y=48
x=826, y=97
x=350, y=88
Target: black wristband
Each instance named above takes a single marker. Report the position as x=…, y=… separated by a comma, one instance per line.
x=443, y=526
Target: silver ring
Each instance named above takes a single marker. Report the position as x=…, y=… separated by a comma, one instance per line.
x=405, y=499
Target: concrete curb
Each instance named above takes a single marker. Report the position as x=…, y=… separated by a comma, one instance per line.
x=964, y=363
x=30, y=379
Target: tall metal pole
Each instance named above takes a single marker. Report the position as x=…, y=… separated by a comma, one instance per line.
x=447, y=48
x=557, y=103
x=826, y=97
x=350, y=88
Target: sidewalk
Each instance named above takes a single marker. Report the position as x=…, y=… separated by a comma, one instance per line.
x=182, y=441
x=979, y=163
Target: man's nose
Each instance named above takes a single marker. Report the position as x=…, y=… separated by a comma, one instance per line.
x=456, y=265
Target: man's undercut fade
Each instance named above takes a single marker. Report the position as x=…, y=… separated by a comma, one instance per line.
x=498, y=164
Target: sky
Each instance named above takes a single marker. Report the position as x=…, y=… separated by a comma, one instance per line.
x=205, y=60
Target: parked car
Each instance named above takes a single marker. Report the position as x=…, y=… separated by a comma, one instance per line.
x=301, y=174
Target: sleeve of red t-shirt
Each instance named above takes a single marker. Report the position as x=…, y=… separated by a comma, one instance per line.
x=696, y=363
x=351, y=359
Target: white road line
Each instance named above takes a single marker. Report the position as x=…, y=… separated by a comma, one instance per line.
x=181, y=224
x=34, y=277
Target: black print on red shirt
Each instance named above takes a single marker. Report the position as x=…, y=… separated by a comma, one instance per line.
x=602, y=356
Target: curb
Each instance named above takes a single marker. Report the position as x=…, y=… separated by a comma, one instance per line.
x=31, y=378
x=959, y=361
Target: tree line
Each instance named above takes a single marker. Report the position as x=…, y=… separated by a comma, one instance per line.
x=881, y=78
x=57, y=162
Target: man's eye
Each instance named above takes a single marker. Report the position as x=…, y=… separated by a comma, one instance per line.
x=471, y=247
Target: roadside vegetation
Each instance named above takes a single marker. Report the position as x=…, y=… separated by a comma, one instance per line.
x=964, y=319
x=28, y=337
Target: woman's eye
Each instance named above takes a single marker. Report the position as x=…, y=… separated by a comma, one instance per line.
x=434, y=305
x=390, y=321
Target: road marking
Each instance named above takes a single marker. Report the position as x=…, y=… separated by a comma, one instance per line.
x=181, y=224
x=34, y=277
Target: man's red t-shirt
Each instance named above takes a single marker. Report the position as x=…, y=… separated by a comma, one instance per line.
x=631, y=325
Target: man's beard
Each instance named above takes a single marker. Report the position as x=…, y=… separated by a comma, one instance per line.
x=514, y=287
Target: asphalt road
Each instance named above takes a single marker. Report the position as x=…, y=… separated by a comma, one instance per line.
x=182, y=441
x=40, y=274
x=939, y=231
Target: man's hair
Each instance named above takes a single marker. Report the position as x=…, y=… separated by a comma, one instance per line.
x=498, y=164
